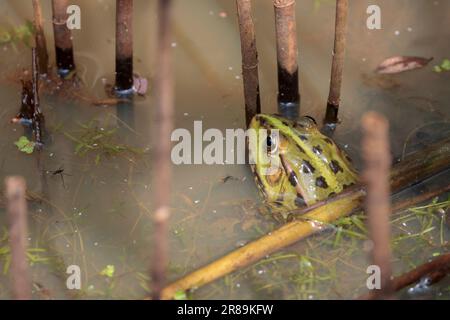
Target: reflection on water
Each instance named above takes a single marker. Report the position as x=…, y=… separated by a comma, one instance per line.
x=100, y=214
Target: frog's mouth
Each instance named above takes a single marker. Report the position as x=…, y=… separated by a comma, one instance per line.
x=292, y=177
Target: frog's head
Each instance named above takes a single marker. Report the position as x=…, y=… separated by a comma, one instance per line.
x=294, y=164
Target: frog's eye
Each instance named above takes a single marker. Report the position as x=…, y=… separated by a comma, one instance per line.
x=272, y=144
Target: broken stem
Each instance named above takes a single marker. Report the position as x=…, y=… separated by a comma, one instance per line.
x=286, y=35
x=63, y=38
x=377, y=159
x=124, y=47
x=334, y=97
x=18, y=234
x=41, y=43
x=249, y=59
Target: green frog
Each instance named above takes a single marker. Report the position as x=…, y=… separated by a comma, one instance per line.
x=294, y=164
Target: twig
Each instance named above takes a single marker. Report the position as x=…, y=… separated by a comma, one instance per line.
x=41, y=43
x=377, y=159
x=286, y=35
x=124, y=47
x=433, y=271
x=18, y=233
x=63, y=38
x=249, y=59
x=334, y=97
x=163, y=129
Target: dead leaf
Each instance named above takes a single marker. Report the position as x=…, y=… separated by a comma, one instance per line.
x=399, y=64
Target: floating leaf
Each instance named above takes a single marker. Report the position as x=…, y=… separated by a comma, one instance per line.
x=25, y=145
x=399, y=64
x=108, y=271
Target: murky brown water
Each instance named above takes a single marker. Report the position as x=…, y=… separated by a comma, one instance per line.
x=100, y=214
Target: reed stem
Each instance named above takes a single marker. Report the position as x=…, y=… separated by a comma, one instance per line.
x=286, y=37
x=63, y=38
x=249, y=59
x=41, y=43
x=340, y=38
x=163, y=128
x=18, y=234
x=124, y=47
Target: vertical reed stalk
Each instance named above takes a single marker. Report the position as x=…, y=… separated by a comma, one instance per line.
x=163, y=128
x=124, y=47
x=376, y=174
x=18, y=234
x=63, y=38
x=286, y=34
x=249, y=59
x=334, y=97
x=41, y=43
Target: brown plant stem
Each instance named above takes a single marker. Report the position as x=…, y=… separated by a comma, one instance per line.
x=41, y=43
x=286, y=35
x=249, y=59
x=398, y=205
x=434, y=270
x=164, y=123
x=124, y=47
x=63, y=38
x=337, y=67
x=18, y=233
x=432, y=160
x=375, y=177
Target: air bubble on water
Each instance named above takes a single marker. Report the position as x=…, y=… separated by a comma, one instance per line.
x=186, y=114
x=190, y=188
x=174, y=44
x=51, y=154
x=261, y=271
x=238, y=285
x=397, y=32
x=95, y=243
x=230, y=68
x=197, y=201
x=237, y=77
x=409, y=29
